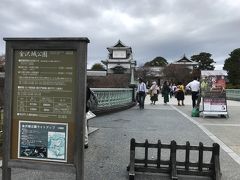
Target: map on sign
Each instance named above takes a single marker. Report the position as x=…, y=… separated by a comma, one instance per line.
x=56, y=145
x=43, y=141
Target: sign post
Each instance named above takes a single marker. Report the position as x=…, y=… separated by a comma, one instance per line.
x=213, y=92
x=44, y=96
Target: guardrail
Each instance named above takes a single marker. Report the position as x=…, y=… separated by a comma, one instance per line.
x=108, y=99
x=233, y=94
x=113, y=98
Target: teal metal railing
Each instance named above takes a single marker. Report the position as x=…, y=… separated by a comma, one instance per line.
x=233, y=94
x=113, y=97
x=108, y=98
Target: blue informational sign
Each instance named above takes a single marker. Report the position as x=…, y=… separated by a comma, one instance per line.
x=43, y=141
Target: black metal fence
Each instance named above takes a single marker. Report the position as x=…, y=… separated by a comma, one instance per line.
x=172, y=166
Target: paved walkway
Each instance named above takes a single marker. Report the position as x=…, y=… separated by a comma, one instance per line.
x=226, y=130
x=108, y=154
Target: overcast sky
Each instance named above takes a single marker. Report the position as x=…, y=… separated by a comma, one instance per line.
x=167, y=28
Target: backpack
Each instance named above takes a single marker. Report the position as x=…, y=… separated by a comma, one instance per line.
x=181, y=88
x=92, y=102
x=195, y=112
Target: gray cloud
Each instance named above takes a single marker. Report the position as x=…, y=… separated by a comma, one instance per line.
x=167, y=28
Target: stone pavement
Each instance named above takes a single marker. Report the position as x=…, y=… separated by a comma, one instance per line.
x=108, y=153
x=225, y=129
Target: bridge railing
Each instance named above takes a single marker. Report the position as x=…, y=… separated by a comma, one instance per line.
x=108, y=98
x=113, y=98
x=233, y=94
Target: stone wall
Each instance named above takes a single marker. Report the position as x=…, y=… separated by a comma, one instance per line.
x=109, y=81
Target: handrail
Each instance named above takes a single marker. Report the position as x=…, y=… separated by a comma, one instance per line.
x=109, y=99
x=113, y=97
x=233, y=94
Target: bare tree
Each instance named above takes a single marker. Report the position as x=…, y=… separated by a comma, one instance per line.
x=177, y=73
x=2, y=63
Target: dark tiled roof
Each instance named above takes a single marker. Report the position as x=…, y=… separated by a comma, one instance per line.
x=184, y=59
x=119, y=44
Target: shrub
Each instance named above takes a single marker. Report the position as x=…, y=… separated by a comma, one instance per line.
x=231, y=86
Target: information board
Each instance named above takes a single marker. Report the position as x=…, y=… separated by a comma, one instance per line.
x=43, y=92
x=44, y=105
x=213, y=92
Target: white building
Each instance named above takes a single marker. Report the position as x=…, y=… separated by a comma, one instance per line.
x=120, y=59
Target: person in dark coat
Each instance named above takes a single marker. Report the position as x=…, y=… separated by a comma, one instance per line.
x=165, y=92
x=88, y=93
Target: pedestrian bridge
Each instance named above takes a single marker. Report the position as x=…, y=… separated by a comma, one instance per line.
x=111, y=99
x=109, y=146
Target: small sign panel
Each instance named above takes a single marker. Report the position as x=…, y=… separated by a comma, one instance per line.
x=215, y=104
x=43, y=141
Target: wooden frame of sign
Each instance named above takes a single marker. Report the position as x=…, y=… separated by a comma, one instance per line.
x=44, y=111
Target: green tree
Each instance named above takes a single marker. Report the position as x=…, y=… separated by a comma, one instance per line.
x=157, y=61
x=205, y=62
x=232, y=66
x=98, y=67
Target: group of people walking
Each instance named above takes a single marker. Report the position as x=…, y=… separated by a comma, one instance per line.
x=168, y=90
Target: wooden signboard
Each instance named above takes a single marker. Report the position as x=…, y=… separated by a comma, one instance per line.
x=45, y=93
